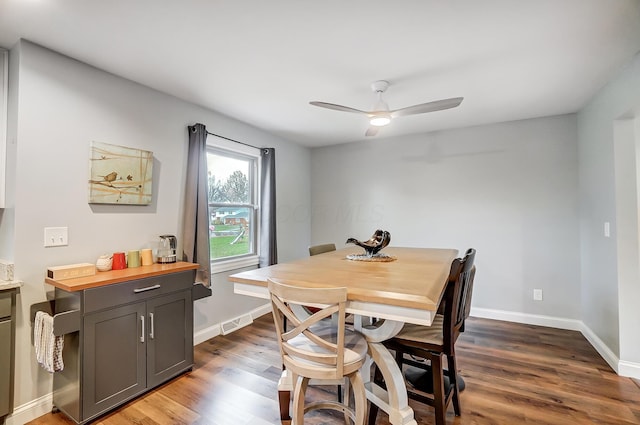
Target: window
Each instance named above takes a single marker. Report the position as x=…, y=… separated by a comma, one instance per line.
x=233, y=205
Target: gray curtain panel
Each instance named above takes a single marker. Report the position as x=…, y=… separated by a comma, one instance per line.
x=268, y=246
x=196, y=211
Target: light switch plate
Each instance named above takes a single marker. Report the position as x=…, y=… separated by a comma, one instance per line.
x=56, y=236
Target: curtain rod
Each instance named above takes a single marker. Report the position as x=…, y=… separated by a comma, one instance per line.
x=231, y=140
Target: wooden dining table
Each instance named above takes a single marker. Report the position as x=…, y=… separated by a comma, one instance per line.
x=407, y=289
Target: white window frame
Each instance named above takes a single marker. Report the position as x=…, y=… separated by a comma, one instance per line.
x=233, y=263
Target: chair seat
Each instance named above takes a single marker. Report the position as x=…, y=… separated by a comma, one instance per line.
x=431, y=335
x=355, y=349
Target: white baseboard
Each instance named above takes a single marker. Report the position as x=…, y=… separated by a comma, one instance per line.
x=629, y=369
x=206, y=334
x=261, y=311
x=214, y=330
x=621, y=367
x=31, y=410
x=41, y=406
x=528, y=319
x=602, y=349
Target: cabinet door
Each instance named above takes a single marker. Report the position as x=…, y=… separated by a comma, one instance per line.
x=114, y=355
x=6, y=348
x=169, y=336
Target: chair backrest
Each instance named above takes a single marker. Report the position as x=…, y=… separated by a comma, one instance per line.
x=326, y=348
x=457, y=297
x=319, y=249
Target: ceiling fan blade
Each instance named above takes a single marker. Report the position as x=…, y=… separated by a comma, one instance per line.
x=337, y=107
x=372, y=131
x=437, y=105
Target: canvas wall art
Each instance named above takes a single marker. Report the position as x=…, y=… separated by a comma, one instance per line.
x=120, y=175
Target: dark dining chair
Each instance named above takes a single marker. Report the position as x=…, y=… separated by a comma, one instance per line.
x=321, y=249
x=416, y=345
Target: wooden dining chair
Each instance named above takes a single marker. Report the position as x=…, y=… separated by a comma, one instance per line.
x=319, y=349
x=321, y=249
x=315, y=250
x=416, y=345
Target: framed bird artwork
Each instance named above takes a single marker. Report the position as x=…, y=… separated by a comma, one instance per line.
x=120, y=175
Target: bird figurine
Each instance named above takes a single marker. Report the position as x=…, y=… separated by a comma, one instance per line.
x=379, y=240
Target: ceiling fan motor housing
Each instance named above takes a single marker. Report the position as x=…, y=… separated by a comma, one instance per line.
x=379, y=86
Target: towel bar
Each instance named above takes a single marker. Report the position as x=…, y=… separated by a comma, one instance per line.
x=63, y=323
x=200, y=290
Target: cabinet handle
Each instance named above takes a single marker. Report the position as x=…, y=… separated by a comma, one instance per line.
x=148, y=288
x=151, y=330
x=142, y=333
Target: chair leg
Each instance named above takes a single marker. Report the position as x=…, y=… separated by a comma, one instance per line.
x=359, y=398
x=344, y=397
x=453, y=380
x=438, y=389
x=399, y=358
x=298, y=400
x=284, y=398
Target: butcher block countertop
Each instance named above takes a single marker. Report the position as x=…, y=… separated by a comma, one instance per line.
x=118, y=276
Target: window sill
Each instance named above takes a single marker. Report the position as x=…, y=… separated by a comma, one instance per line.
x=234, y=264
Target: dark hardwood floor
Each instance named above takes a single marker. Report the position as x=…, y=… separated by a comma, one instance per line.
x=515, y=374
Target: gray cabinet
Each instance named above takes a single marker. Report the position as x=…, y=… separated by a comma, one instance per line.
x=5, y=366
x=114, y=366
x=7, y=342
x=133, y=336
x=170, y=336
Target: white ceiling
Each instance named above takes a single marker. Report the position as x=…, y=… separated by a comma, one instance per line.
x=261, y=62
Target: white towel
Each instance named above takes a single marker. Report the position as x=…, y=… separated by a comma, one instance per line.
x=48, y=346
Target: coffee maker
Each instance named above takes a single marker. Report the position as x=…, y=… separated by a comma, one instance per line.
x=167, y=249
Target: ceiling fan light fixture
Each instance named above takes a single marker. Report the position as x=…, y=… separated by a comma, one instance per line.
x=380, y=115
x=380, y=120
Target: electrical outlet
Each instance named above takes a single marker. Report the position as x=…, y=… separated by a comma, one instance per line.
x=56, y=236
x=537, y=294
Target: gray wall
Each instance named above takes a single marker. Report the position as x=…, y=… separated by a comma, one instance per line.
x=510, y=190
x=610, y=295
x=62, y=105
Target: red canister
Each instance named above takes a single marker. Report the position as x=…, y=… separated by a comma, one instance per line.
x=119, y=261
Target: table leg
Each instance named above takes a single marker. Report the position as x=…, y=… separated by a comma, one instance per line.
x=394, y=399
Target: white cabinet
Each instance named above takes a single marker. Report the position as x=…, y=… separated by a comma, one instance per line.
x=4, y=87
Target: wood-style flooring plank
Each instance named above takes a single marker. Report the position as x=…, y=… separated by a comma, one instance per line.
x=515, y=374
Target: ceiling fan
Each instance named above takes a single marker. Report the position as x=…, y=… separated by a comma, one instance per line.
x=381, y=115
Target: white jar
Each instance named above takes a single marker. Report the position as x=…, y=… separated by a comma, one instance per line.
x=104, y=262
